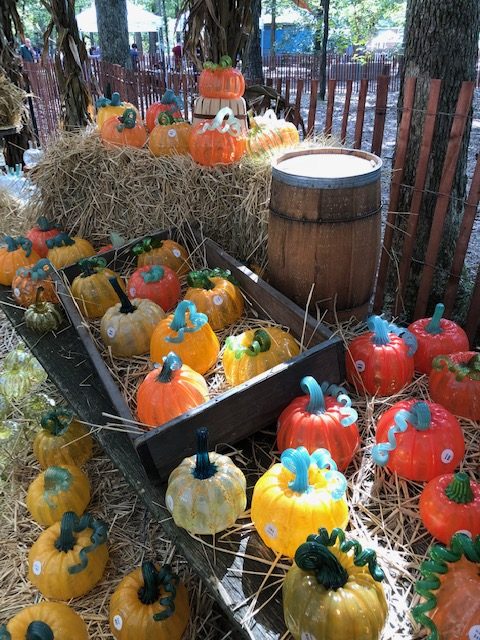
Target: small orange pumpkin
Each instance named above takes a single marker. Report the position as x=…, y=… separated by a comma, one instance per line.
x=217, y=142
x=221, y=80
x=170, y=136
x=124, y=130
x=27, y=281
x=17, y=253
x=164, y=252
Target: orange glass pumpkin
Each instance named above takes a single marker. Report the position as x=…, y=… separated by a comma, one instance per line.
x=27, y=281
x=64, y=250
x=418, y=440
x=321, y=419
x=16, y=253
x=169, y=137
x=45, y=621
x=380, y=362
x=221, y=80
x=40, y=233
x=436, y=336
x=164, y=252
x=166, y=394
x=107, y=108
x=450, y=504
x=191, y=338
x=159, y=284
x=217, y=142
x=262, y=140
x=170, y=104
x=124, y=130
x=455, y=382
x=450, y=587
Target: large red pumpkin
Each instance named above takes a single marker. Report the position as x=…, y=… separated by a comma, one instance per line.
x=170, y=103
x=40, y=233
x=321, y=419
x=218, y=141
x=455, y=382
x=157, y=283
x=436, y=336
x=221, y=80
x=418, y=440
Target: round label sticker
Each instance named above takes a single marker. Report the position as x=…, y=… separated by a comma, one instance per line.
x=172, y=133
x=37, y=568
x=447, y=456
x=360, y=366
x=169, y=503
x=16, y=292
x=117, y=622
x=307, y=636
x=217, y=300
x=474, y=633
x=176, y=253
x=465, y=532
x=111, y=332
x=132, y=292
x=271, y=530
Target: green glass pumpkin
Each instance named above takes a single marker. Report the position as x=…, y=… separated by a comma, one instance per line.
x=21, y=372
x=8, y=429
x=36, y=405
x=42, y=316
x=5, y=408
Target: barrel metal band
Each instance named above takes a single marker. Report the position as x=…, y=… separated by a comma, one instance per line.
x=367, y=214
x=207, y=116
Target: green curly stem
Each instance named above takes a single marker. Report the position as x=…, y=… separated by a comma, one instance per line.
x=459, y=490
x=171, y=363
x=153, y=581
x=433, y=326
x=66, y=540
x=154, y=274
x=127, y=120
x=225, y=63
x=38, y=630
x=469, y=369
x=204, y=469
x=146, y=245
x=126, y=305
x=92, y=265
x=72, y=524
x=165, y=118
x=261, y=343
x=200, y=280
x=19, y=242
x=62, y=240
x=56, y=421
x=44, y=224
x=56, y=480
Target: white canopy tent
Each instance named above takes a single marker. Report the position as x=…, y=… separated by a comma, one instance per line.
x=139, y=20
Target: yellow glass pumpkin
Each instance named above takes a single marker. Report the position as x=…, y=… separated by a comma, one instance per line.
x=45, y=621
x=106, y=108
x=126, y=327
x=255, y=351
x=163, y=252
x=62, y=440
x=170, y=136
x=295, y=497
x=56, y=490
x=64, y=250
x=333, y=591
x=68, y=559
x=215, y=295
x=92, y=290
x=206, y=492
x=191, y=339
x=149, y=604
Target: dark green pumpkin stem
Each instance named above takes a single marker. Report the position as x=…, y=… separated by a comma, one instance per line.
x=153, y=582
x=66, y=540
x=150, y=591
x=312, y=556
x=200, y=280
x=127, y=120
x=20, y=242
x=4, y=633
x=433, y=327
x=56, y=421
x=469, y=369
x=126, y=305
x=459, y=490
x=44, y=224
x=72, y=524
x=204, y=469
x=165, y=118
x=92, y=265
x=171, y=363
x=62, y=240
x=38, y=630
x=261, y=343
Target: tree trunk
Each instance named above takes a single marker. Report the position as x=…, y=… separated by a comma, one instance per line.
x=165, y=26
x=323, y=59
x=441, y=41
x=152, y=41
x=252, y=66
x=113, y=31
x=273, y=28
x=138, y=41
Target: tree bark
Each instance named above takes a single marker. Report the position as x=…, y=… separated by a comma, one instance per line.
x=441, y=41
x=152, y=41
x=252, y=66
x=273, y=27
x=113, y=31
x=323, y=59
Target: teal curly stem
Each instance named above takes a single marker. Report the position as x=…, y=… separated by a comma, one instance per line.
x=98, y=537
x=316, y=404
x=169, y=97
x=170, y=364
x=150, y=590
x=38, y=630
x=126, y=306
x=41, y=269
x=179, y=321
x=408, y=338
x=379, y=328
x=56, y=480
x=44, y=224
x=56, y=421
x=66, y=540
x=4, y=633
x=11, y=243
x=297, y=461
x=349, y=415
x=153, y=581
x=127, y=120
x=204, y=469
x=459, y=489
x=62, y=240
x=115, y=100
x=323, y=460
x=433, y=326
x=154, y=274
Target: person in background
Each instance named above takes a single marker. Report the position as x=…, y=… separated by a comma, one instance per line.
x=177, y=55
x=26, y=51
x=134, y=55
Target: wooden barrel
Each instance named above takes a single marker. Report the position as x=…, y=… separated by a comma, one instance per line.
x=207, y=109
x=324, y=228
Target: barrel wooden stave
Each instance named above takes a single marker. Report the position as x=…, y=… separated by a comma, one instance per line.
x=207, y=109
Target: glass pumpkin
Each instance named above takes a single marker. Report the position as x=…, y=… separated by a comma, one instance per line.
x=262, y=140
x=302, y=492
x=124, y=130
x=126, y=327
x=149, y=604
x=166, y=394
x=321, y=419
x=16, y=253
x=206, y=493
x=418, y=440
x=455, y=382
x=217, y=141
x=42, y=316
x=8, y=430
x=169, y=137
x=166, y=253
x=21, y=373
x=450, y=504
x=333, y=590
x=255, y=351
x=92, y=290
x=62, y=440
x=45, y=621
x=5, y=408
x=190, y=338
x=286, y=132
x=116, y=241
x=169, y=103
x=215, y=296
x=64, y=250
x=36, y=405
x=40, y=233
x=56, y=490
x=221, y=80
x=450, y=588
x=68, y=559
x=380, y=362
x=436, y=336
x=160, y=284
x=107, y=108
x=28, y=279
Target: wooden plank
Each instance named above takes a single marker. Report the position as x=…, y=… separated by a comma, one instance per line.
x=472, y=324
x=443, y=200
x=362, y=97
x=465, y=232
x=186, y=115
x=346, y=111
x=397, y=178
x=287, y=91
x=419, y=186
x=312, y=108
x=332, y=83
x=380, y=114
x=298, y=102
x=279, y=86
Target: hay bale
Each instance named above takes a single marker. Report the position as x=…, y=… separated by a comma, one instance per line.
x=11, y=103
x=12, y=214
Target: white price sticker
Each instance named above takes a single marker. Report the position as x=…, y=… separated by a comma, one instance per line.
x=474, y=632
x=111, y=332
x=16, y=292
x=217, y=300
x=176, y=253
x=37, y=568
x=132, y=291
x=360, y=366
x=271, y=530
x=172, y=133
x=117, y=622
x=447, y=456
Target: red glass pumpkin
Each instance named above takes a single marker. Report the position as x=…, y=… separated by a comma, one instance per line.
x=170, y=103
x=157, y=283
x=321, y=419
x=40, y=233
x=221, y=80
x=436, y=336
x=217, y=142
x=455, y=382
x=380, y=362
x=418, y=440
x=450, y=504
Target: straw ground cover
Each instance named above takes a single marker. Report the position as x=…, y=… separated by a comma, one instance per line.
x=11, y=103
x=12, y=215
